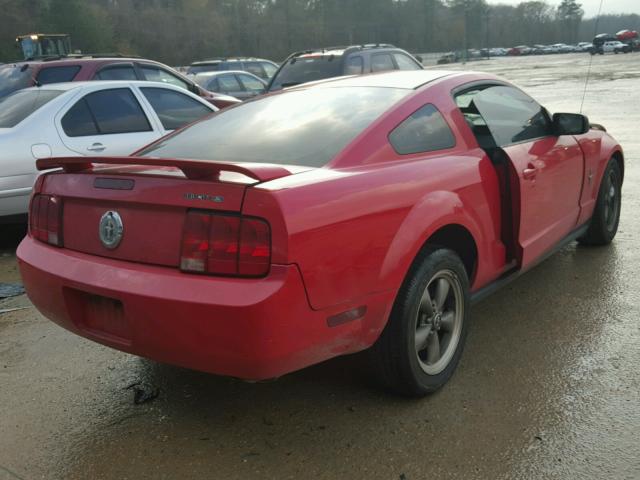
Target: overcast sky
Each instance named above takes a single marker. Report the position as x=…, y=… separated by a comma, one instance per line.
x=591, y=6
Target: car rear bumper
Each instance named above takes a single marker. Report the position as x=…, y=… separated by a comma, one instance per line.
x=248, y=328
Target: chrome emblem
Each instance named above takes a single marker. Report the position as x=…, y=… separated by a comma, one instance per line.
x=110, y=229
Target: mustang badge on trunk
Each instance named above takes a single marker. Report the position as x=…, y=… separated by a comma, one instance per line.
x=110, y=229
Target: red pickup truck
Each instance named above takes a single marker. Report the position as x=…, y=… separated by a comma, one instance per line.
x=356, y=213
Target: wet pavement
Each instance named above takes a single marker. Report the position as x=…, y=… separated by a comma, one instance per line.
x=548, y=386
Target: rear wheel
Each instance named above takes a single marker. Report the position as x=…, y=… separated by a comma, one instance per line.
x=606, y=216
x=422, y=343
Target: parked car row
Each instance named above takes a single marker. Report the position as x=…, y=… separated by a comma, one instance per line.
x=624, y=41
x=48, y=107
x=602, y=44
x=548, y=49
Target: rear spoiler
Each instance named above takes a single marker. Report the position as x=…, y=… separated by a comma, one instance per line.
x=192, y=169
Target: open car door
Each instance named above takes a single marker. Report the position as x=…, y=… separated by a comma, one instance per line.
x=545, y=170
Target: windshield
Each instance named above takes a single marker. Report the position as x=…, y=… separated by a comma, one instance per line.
x=306, y=69
x=300, y=127
x=18, y=106
x=14, y=77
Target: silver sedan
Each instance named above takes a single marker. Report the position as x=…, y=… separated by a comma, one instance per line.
x=83, y=118
x=238, y=84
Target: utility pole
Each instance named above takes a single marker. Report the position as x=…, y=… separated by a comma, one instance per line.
x=487, y=32
x=465, y=47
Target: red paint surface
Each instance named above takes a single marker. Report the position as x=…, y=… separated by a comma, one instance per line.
x=342, y=239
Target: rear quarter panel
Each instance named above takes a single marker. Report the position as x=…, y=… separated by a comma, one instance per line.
x=354, y=230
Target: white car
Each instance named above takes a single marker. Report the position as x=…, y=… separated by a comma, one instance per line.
x=615, y=47
x=585, y=46
x=83, y=118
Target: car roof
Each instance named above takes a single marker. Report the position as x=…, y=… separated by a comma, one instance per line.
x=75, y=60
x=223, y=72
x=216, y=61
x=97, y=84
x=341, y=50
x=407, y=79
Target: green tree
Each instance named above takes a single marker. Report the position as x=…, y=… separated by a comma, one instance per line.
x=570, y=15
x=88, y=24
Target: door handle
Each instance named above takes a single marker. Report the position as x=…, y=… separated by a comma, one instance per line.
x=96, y=147
x=530, y=172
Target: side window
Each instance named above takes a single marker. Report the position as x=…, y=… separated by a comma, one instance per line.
x=229, y=83
x=121, y=72
x=354, y=66
x=212, y=85
x=381, y=62
x=475, y=121
x=105, y=112
x=155, y=74
x=57, y=74
x=424, y=131
x=269, y=69
x=256, y=69
x=78, y=121
x=174, y=109
x=511, y=115
x=252, y=84
x=404, y=62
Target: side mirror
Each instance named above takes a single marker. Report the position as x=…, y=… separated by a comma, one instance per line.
x=570, y=124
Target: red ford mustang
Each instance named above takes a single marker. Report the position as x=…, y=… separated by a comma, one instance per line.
x=351, y=214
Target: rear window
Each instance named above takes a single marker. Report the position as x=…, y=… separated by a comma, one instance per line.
x=57, y=74
x=307, y=69
x=300, y=127
x=18, y=106
x=14, y=78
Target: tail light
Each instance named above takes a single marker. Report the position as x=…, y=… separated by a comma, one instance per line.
x=45, y=219
x=225, y=245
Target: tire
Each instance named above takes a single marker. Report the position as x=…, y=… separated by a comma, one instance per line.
x=606, y=216
x=426, y=312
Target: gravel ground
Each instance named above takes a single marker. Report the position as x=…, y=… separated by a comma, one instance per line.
x=548, y=387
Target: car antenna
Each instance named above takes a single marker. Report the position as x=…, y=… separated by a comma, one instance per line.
x=586, y=82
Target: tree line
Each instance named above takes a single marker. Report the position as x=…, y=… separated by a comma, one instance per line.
x=180, y=31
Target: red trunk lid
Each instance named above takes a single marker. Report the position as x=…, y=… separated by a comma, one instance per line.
x=151, y=198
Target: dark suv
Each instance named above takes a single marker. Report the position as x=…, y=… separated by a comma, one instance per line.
x=16, y=76
x=312, y=65
x=259, y=67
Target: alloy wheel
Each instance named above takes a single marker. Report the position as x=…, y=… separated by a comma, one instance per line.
x=439, y=322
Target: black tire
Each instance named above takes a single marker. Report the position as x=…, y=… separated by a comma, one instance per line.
x=396, y=357
x=606, y=215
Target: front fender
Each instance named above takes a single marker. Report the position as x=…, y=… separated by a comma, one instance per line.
x=608, y=148
x=597, y=147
